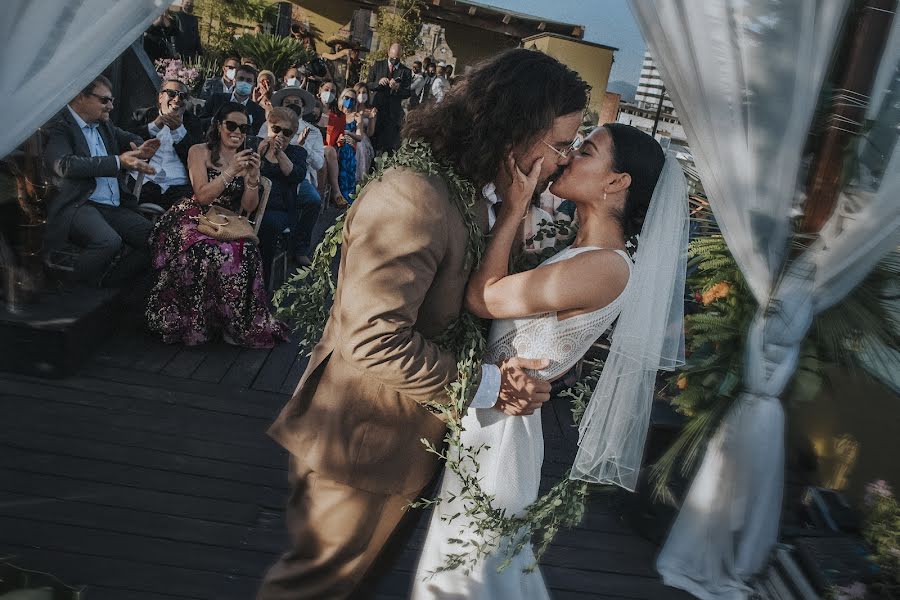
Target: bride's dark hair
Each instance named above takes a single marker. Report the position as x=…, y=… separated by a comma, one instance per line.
x=639, y=155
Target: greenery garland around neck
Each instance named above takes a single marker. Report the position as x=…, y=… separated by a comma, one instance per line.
x=484, y=528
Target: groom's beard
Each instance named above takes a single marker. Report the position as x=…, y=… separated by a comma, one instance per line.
x=542, y=185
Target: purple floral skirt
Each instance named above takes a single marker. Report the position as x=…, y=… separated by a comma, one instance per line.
x=205, y=288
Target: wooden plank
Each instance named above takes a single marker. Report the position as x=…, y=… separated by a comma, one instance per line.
x=74, y=425
x=184, y=422
x=294, y=373
x=64, y=487
x=137, y=476
x=219, y=359
x=47, y=512
x=185, y=362
x=275, y=369
x=170, y=462
x=610, y=584
x=141, y=397
x=245, y=368
x=76, y=568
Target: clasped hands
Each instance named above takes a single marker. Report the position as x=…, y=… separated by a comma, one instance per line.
x=520, y=393
x=136, y=158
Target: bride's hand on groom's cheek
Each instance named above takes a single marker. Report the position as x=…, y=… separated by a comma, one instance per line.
x=521, y=190
x=520, y=393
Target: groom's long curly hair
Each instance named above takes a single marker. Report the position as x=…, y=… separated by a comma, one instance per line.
x=503, y=103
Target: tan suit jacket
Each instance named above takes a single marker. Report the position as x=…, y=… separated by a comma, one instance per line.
x=356, y=416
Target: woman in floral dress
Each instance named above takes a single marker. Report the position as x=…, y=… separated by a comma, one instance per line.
x=207, y=288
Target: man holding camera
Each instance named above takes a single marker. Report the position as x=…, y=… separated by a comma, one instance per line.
x=389, y=81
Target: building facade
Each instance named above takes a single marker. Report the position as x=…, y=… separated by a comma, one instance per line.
x=642, y=113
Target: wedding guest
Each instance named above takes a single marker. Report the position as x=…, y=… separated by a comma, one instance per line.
x=177, y=130
x=187, y=32
x=208, y=288
x=417, y=84
x=309, y=201
x=223, y=84
x=244, y=80
x=389, y=80
x=86, y=154
x=440, y=86
x=334, y=132
x=448, y=73
x=284, y=164
x=366, y=116
x=265, y=87
x=291, y=77
x=159, y=39
x=346, y=144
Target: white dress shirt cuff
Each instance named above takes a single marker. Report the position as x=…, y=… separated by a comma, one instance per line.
x=179, y=134
x=489, y=389
x=152, y=129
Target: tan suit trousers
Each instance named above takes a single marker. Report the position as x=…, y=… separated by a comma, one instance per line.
x=337, y=531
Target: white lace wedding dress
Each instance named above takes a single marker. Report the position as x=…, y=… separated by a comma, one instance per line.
x=511, y=467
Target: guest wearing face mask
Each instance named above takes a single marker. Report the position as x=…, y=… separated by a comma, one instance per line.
x=417, y=84
x=346, y=144
x=244, y=80
x=390, y=81
x=366, y=119
x=291, y=77
x=223, y=84
x=177, y=130
x=334, y=132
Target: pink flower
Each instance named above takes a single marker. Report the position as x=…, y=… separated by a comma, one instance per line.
x=877, y=489
x=855, y=591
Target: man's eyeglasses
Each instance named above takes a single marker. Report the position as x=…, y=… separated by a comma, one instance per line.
x=283, y=130
x=232, y=126
x=102, y=99
x=173, y=93
x=575, y=145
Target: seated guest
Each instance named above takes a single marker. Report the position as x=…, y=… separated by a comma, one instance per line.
x=206, y=288
x=265, y=87
x=291, y=77
x=334, y=133
x=284, y=164
x=244, y=80
x=90, y=210
x=176, y=131
x=309, y=201
x=223, y=84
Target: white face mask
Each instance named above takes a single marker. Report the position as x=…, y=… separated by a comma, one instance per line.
x=327, y=96
x=362, y=98
x=291, y=81
x=229, y=74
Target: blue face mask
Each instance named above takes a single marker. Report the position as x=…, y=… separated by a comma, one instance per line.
x=243, y=88
x=348, y=102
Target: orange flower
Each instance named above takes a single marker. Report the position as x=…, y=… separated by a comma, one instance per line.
x=682, y=382
x=720, y=290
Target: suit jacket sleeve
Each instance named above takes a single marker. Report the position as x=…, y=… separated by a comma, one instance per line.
x=125, y=138
x=61, y=155
x=375, y=74
x=395, y=242
x=404, y=90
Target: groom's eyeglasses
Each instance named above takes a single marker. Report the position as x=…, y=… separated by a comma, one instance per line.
x=575, y=145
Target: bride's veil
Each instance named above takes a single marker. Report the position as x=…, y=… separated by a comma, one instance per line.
x=649, y=336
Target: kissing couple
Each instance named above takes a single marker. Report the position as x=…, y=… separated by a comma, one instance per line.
x=355, y=424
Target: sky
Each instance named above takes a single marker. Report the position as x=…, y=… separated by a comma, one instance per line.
x=606, y=22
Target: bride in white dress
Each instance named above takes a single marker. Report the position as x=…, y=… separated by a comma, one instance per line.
x=556, y=312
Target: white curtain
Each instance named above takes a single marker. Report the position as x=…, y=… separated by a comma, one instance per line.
x=745, y=77
x=51, y=49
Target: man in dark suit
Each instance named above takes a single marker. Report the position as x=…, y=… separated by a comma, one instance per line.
x=187, y=31
x=389, y=80
x=244, y=80
x=223, y=84
x=86, y=154
x=177, y=130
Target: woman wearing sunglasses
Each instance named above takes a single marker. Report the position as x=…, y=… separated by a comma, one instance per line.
x=208, y=288
x=284, y=164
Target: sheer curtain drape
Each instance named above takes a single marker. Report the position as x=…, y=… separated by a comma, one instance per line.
x=51, y=49
x=745, y=78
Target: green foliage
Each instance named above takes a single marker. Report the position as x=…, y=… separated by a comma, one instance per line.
x=399, y=21
x=219, y=21
x=882, y=532
x=272, y=52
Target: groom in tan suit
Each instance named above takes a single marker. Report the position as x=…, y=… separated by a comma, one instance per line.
x=354, y=424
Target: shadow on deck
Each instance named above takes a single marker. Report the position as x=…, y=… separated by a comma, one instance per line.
x=147, y=475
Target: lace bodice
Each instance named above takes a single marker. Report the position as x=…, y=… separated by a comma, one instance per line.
x=564, y=342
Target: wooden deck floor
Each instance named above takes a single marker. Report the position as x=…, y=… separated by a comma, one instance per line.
x=148, y=476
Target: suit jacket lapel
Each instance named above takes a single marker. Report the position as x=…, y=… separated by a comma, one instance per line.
x=108, y=138
x=80, y=143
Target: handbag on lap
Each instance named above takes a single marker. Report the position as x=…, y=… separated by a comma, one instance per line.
x=226, y=225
